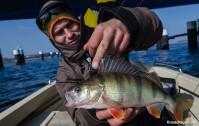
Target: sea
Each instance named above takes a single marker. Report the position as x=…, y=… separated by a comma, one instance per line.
x=17, y=82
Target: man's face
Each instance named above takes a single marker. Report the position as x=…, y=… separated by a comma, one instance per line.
x=66, y=32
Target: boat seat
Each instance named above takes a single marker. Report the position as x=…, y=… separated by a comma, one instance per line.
x=58, y=118
x=184, y=81
x=169, y=85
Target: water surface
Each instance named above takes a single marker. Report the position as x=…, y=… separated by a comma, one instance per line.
x=17, y=82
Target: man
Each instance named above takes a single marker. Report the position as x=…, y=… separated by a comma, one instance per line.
x=130, y=29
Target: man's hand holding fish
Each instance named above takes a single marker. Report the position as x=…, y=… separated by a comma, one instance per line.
x=130, y=113
x=111, y=37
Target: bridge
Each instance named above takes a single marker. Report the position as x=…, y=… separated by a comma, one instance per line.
x=27, y=9
x=180, y=35
x=192, y=32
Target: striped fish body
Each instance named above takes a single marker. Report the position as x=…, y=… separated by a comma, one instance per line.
x=128, y=91
x=119, y=85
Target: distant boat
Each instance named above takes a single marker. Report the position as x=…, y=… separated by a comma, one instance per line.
x=45, y=107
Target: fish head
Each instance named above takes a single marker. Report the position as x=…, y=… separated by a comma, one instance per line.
x=82, y=95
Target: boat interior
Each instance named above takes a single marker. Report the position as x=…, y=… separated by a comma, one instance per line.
x=45, y=107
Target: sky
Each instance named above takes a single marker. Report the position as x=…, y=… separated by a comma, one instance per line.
x=24, y=33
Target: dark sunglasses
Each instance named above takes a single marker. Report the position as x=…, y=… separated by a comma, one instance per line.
x=43, y=20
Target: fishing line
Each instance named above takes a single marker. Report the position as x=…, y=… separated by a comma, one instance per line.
x=196, y=88
x=139, y=3
x=193, y=115
x=119, y=8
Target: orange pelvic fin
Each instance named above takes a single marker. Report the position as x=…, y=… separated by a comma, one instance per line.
x=155, y=109
x=117, y=112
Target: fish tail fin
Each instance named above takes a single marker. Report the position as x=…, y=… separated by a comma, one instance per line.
x=180, y=106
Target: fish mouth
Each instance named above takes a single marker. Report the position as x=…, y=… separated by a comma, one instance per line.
x=71, y=102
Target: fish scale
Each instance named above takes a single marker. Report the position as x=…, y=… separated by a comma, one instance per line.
x=133, y=91
x=114, y=88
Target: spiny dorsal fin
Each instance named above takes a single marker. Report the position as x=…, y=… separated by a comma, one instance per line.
x=145, y=68
x=148, y=72
x=119, y=65
x=153, y=77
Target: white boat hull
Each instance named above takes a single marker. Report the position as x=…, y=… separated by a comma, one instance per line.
x=45, y=107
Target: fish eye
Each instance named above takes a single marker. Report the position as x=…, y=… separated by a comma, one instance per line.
x=77, y=89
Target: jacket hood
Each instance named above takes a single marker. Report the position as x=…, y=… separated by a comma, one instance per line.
x=70, y=53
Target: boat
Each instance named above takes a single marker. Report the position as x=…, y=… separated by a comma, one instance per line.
x=40, y=108
x=45, y=108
